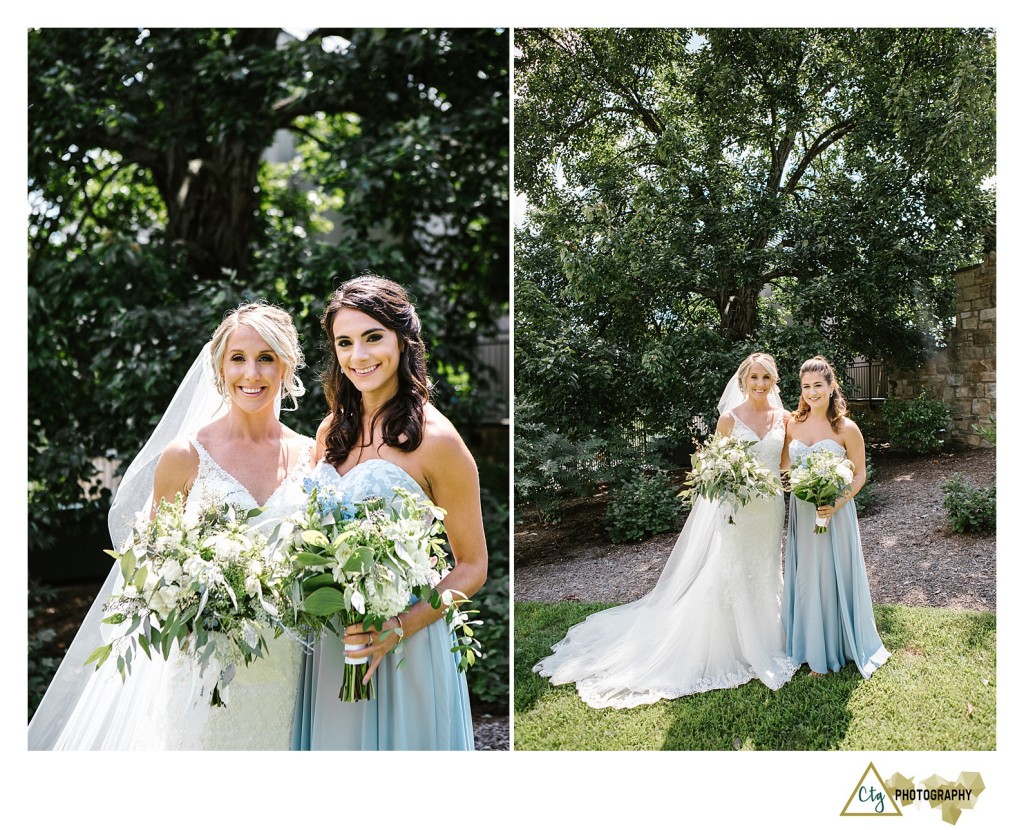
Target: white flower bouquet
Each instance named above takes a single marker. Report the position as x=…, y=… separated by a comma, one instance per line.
x=819, y=478
x=725, y=470
x=365, y=562
x=207, y=586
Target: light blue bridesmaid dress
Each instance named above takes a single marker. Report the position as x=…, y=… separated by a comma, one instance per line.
x=423, y=705
x=826, y=605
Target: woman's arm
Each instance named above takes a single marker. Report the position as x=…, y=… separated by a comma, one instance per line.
x=725, y=424
x=175, y=472
x=854, y=443
x=454, y=483
x=784, y=462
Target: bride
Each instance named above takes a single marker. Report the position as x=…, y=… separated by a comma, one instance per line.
x=713, y=619
x=220, y=441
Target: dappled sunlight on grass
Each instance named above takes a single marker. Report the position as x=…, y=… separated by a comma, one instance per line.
x=936, y=692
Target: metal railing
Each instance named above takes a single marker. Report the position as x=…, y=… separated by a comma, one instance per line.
x=866, y=380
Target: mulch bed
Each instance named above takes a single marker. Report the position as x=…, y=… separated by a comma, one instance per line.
x=912, y=555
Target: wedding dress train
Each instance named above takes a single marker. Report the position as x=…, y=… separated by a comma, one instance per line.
x=711, y=622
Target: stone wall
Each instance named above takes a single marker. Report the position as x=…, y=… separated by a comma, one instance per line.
x=963, y=375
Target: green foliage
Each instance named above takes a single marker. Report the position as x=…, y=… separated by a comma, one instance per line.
x=701, y=199
x=970, y=509
x=870, y=496
x=986, y=432
x=489, y=677
x=550, y=468
x=642, y=506
x=41, y=665
x=917, y=426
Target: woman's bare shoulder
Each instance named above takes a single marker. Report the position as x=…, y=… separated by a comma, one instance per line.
x=325, y=425
x=726, y=423
x=179, y=454
x=440, y=437
x=176, y=469
x=848, y=426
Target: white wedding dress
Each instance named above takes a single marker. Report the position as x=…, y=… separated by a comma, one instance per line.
x=712, y=621
x=165, y=704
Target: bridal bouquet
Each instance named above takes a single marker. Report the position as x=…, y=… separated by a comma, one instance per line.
x=724, y=469
x=819, y=478
x=206, y=586
x=364, y=562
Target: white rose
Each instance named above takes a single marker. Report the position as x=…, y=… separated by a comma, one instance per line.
x=152, y=578
x=171, y=571
x=163, y=601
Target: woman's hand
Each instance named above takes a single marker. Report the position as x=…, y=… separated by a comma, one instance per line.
x=374, y=643
x=827, y=512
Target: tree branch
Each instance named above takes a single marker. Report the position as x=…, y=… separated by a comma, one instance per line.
x=820, y=144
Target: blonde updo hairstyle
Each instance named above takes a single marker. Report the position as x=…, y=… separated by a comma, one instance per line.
x=836, y=402
x=275, y=326
x=765, y=360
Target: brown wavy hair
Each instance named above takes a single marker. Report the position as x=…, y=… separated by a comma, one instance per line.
x=836, y=403
x=403, y=417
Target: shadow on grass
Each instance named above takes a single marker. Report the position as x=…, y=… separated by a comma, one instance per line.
x=840, y=711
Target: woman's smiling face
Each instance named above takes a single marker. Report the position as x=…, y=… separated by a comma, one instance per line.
x=252, y=370
x=815, y=389
x=368, y=353
x=759, y=381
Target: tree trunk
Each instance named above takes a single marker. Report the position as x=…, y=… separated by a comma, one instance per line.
x=738, y=307
x=211, y=204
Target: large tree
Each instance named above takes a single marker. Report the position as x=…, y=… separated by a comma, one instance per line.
x=154, y=208
x=687, y=172
x=193, y=110
x=697, y=194
x=159, y=198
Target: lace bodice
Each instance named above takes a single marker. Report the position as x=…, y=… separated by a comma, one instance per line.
x=215, y=485
x=261, y=699
x=767, y=450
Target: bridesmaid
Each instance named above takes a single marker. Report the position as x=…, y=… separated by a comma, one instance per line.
x=826, y=605
x=382, y=432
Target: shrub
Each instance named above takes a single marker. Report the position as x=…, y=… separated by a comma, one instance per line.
x=488, y=679
x=869, y=496
x=917, y=426
x=989, y=432
x=641, y=507
x=970, y=508
x=549, y=468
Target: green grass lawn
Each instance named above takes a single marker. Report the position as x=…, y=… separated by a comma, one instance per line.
x=936, y=692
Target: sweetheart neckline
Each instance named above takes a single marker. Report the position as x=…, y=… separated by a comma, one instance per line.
x=820, y=441
x=399, y=467
x=235, y=479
